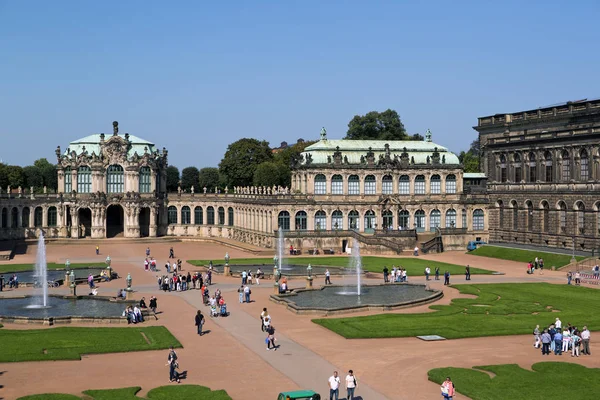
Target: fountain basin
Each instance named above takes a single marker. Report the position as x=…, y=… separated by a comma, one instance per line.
x=328, y=301
x=27, y=277
x=292, y=270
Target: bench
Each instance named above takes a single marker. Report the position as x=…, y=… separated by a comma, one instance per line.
x=329, y=251
x=295, y=252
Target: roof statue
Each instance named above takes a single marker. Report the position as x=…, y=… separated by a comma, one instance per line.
x=323, y=133
x=115, y=128
x=428, y=136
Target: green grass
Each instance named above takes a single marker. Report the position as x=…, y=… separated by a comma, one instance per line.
x=4, y=268
x=67, y=343
x=174, y=392
x=414, y=266
x=499, y=309
x=524, y=256
x=547, y=381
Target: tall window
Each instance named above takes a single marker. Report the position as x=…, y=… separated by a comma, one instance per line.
x=68, y=180
x=529, y=216
x=584, y=172
x=388, y=220
x=515, y=210
x=4, y=217
x=386, y=184
x=435, y=184
x=404, y=219
x=548, y=166
x=451, y=184
x=25, y=217
x=451, y=218
x=51, y=216
x=172, y=215
x=320, y=220
x=84, y=179
x=370, y=221
x=145, y=180
x=38, y=217
x=221, y=212
x=283, y=220
x=370, y=184
x=580, y=217
x=198, y=216
x=532, y=168
x=114, y=179
x=337, y=184
x=14, y=217
x=301, y=221
x=503, y=174
x=230, y=216
x=337, y=221
x=353, y=185
x=435, y=219
x=186, y=215
x=545, y=216
x=353, y=220
x=478, y=220
x=210, y=215
x=464, y=218
x=562, y=217
x=404, y=185
x=419, y=184
x=517, y=164
x=566, y=166
x=420, y=220
x=320, y=184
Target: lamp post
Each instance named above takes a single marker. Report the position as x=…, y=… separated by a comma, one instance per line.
x=68, y=264
x=309, y=277
x=72, y=283
x=128, y=280
x=226, y=269
x=67, y=276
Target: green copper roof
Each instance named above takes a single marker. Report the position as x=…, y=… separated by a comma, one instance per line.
x=92, y=145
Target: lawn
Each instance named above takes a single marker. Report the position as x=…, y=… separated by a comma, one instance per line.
x=67, y=343
x=524, y=256
x=499, y=309
x=4, y=268
x=174, y=392
x=414, y=266
x=547, y=381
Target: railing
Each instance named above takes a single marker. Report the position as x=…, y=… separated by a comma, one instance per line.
x=436, y=243
x=370, y=240
x=453, y=231
x=411, y=233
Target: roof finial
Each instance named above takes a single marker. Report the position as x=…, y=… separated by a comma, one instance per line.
x=323, y=133
x=428, y=136
x=115, y=128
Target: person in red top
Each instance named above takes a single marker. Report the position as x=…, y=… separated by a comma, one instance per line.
x=447, y=389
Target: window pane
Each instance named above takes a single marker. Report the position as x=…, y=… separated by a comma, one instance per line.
x=114, y=179
x=68, y=180
x=320, y=184
x=435, y=184
x=84, y=180
x=336, y=220
x=370, y=184
x=478, y=220
x=145, y=181
x=404, y=185
x=451, y=219
x=337, y=185
x=420, y=184
x=353, y=185
x=198, y=216
x=172, y=215
x=451, y=184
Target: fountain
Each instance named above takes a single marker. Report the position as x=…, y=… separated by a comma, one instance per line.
x=355, y=265
x=280, y=249
x=41, y=275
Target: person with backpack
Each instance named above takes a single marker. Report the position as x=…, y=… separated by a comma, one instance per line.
x=350, y=385
x=173, y=365
x=199, y=322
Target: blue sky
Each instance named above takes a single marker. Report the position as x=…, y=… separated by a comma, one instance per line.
x=194, y=76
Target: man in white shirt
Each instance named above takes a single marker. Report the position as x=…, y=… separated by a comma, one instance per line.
x=585, y=341
x=327, y=277
x=350, y=385
x=174, y=267
x=334, y=386
x=558, y=324
x=427, y=272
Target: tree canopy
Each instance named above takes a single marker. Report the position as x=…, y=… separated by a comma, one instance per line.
x=470, y=158
x=172, y=178
x=190, y=176
x=209, y=178
x=271, y=173
x=376, y=125
x=241, y=159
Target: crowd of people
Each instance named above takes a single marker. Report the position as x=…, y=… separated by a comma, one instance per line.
x=397, y=274
x=558, y=339
x=534, y=265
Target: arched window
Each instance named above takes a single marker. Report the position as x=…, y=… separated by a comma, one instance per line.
x=420, y=220
x=337, y=184
x=172, y=215
x=500, y=213
x=387, y=184
x=198, y=216
x=584, y=172
x=300, y=221
x=25, y=217
x=545, y=216
x=517, y=165
x=38, y=217
x=548, y=166
x=529, y=205
x=68, y=180
x=478, y=224
x=14, y=217
x=145, y=180
x=353, y=185
x=320, y=220
x=370, y=221
x=435, y=184
x=186, y=215
x=566, y=166
x=210, y=215
x=435, y=219
x=221, y=211
x=84, y=179
x=370, y=184
x=51, y=216
x=532, y=168
x=283, y=220
x=230, y=216
x=451, y=184
x=4, y=217
x=337, y=221
x=580, y=217
x=464, y=218
x=320, y=184
x=353, y=222
x=451, y=218
x=515, y=211
x=404, y=185
x=503, y=175
x=419, y=184
x=114, y=179
x=404, y=219
x=388, y=220
x=562, y=217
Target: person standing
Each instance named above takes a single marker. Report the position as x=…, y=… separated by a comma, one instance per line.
x=558, y=324
x=241, y=293
x=263, y=315
x=147, y=251
x=468, y=273
x=271, y=337
x=577, y=278
x=575, y=342
x=585, y=341
x=558, y=343
x=447, y=389
x=327, y=277
x=416, y=251
x=427, y=272
x=446, y=278
x=247, y=293
x=350, y=385
x=97, y=250
x=199, y=322
x=173, y=365
x=244, y=277
x=258, y=276
x=334, y=386
x=536, y=335
x=386, y=273
x=437, y=273
x=546, y=339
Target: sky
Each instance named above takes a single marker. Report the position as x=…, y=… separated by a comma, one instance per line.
x=195, y=76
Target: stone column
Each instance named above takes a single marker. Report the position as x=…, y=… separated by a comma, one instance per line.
x=20, y=217
x=395, y=179
x=61, y=180
x=153, y=227
x=443, y=183
x=74, y=179
x=31, y=217
x=379, y=184
x=44, y=217
x=75, y=223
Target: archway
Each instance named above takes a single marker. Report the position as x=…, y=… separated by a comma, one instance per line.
x=114, y=221
x=85, y=222
x=144, y=221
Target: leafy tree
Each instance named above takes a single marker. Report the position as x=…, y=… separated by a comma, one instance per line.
x=469, y=161
x=209, y=178
x=48, y=173
x=3, y=176
x=417, y=136
x=33, y=177
x=290, y=153
x=376, y=126
x=241, y=159
x=15, y=176
x=475, y=147
x=172, y=178
x=190, y=177
x=271, y=173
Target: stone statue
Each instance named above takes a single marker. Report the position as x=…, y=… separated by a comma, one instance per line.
x=192, y=189
x=345, y=159
x=179, y=189
x=443, y=159
x=427, y=159
x=323, y=133
x=363, y=159
x=216, y=189
x=269, y=190
x=328, y=159
x=204, y=189
x=45, y=190
x=285, y=190
x=57, y=151
x=412, y=159
x=226, y=190
x=115, y=128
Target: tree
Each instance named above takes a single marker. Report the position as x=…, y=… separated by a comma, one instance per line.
x=48, y=173
x=469, y=161
x=172, y=178
x=271, y=174
x=209, y=178
x=241, y=159
x=417, y=136
x=376, y=126
x=475, y=147
x=3, y=176
x=15, y=176
x=190, y=177
x=33, y=177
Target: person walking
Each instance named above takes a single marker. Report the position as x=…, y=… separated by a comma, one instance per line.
x=147, y=251
x=585, y=341
x=446, y=278
x=153, y=304
x=447, y=389
x=468, y=273
x=173, y=365
x=437, y=273
x=199, y=322
x=334, y=386
x=97, y=250
x=270, y=337
x=386, y=273
x=536, y=335
x=241, y=293
x=350, y=385
x=263, y=315
x=427, y=272
x=171, y=253
x=327, y=277
x=546, y=339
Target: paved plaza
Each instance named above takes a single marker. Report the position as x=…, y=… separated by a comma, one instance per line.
x=233, y=355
